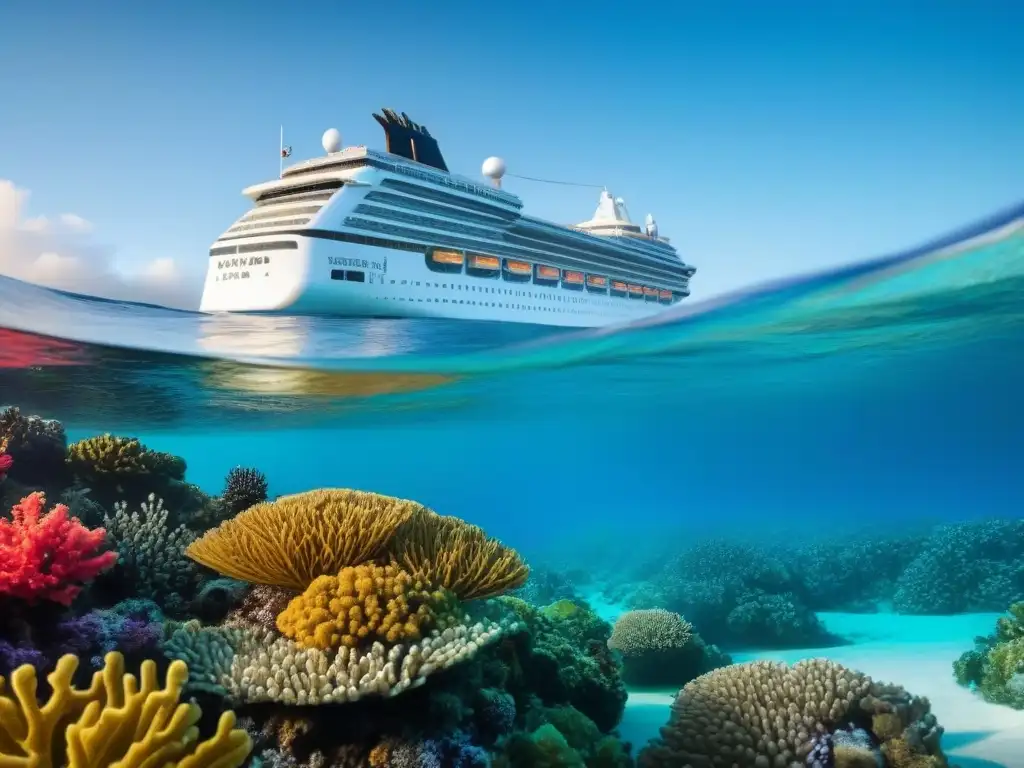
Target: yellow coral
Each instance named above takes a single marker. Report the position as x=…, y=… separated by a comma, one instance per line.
x=456, y=555
x=361, y=604
x=115, y=723
x=293, y=540
x=110, y=455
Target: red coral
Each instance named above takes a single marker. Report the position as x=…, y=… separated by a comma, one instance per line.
x=5, y=463
x=47, y=556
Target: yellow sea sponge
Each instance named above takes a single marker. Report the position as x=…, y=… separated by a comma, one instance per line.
x=651, y=630
x=115, y=723
x=293, y=540
x=361, y=604
x=456, y=555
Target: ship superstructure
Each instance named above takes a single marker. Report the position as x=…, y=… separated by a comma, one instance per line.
x=363, y=233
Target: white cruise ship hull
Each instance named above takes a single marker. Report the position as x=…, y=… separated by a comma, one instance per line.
x=320, y=276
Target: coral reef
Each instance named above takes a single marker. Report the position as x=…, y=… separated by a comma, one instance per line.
x=761, y=715
x=660, y=648
x=995, y=667
x=563, y=658
x=47, y=555
x=736, y=595
x=116, y=720
x=244, y=487
x=963, y=568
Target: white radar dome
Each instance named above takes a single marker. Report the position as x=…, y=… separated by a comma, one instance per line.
x=493, y=168
x=331, y=140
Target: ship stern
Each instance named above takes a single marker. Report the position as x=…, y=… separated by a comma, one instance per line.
x=264, y=274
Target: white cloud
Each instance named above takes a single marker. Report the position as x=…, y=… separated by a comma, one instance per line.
x=58, y=252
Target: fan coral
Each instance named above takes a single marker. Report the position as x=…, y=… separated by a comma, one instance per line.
x=453, y=554
x=638, y=632
x=764, y=714
x=118, y=718
x=48, y=556
x=291, y=541
x=153, y=556
x=362, y=603
x=244, y=488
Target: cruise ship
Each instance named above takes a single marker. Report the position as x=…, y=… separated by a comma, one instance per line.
x=362, y=233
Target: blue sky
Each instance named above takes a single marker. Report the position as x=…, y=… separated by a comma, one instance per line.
x=767, y=137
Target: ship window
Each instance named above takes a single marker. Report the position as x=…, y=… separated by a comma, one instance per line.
x=225, y=251
x=355, y=276
x=337, y=274
x=290, y=245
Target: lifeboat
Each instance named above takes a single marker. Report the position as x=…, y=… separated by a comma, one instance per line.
x=571, y=277
x=548, y=273
x=665, y=296
x=448, y=258
x=520, y=268
x=619, y=287
x=651, y=294
x=484, y=262
x=597, y=282
x=636, y=291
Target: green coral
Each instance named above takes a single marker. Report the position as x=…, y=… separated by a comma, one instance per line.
x=566, y=660
x=995, y=667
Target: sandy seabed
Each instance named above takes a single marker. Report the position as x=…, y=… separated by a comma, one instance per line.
x=916, y=652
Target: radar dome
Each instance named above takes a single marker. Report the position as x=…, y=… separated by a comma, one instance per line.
x=493, y=168
x=331, y=140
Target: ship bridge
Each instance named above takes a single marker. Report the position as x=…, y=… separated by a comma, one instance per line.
x=611, y=219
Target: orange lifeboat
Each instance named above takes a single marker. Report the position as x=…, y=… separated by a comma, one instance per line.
x=548, y=273
x=448, y=258
x=483, y=261
x=572, y=277
x=521, y=268
x=597, y=281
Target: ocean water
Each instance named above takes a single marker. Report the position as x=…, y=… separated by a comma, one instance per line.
x=878, y=400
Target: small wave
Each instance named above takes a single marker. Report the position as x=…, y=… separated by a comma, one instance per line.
x=962, y=287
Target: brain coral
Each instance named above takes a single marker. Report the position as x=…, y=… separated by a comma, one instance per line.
x=638, y=632
x=768, y=715
x=361, y=604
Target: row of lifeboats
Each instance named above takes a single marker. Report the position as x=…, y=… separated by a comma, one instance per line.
x=543, y=274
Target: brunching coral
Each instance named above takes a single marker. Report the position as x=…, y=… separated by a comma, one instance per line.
x=48, y=555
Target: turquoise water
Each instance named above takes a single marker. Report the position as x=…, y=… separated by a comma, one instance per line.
x=880, y=399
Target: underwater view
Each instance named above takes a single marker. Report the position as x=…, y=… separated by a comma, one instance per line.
x=778, y=528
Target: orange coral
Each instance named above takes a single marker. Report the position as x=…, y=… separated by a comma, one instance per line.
x=456, y=555
x=293, y=540
x=360, y=604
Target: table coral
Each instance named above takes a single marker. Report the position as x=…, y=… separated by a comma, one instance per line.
x=118, y=720
x=48, y=556
x=361, y=604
